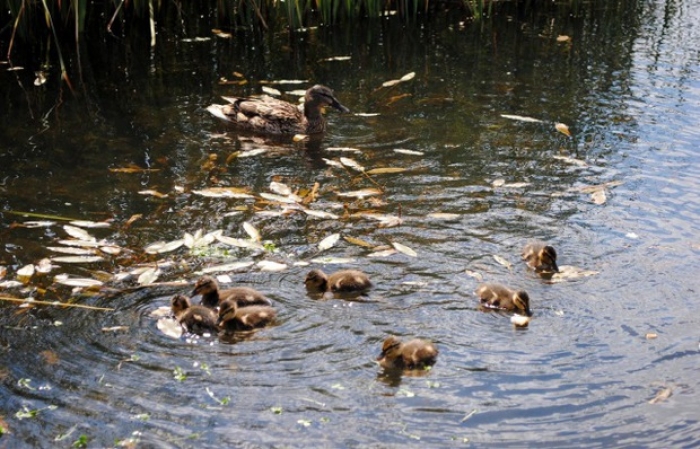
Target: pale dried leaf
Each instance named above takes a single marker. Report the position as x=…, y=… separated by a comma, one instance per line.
x=515, y=185
x=563, y=38
x=149, y=276
x=227, y=267
x=320, y=214
x=362, y=193
x=240, y=243
x=111, y=250
x=10, y=284
x=300, y=137
x=78, y=233
x=40, y=78
x=252, y=231
x=80, y=243
x=291, y=199
x=366, y=114
x=599, y=197
x=503, y=261
x=91, y=224
x=115, y=329
x=160, y=312
x=328, y=242
x=267, y=265
x=154, y=193
x=409, y=152
x=356, y=241
x=280, y=188
x=223, y=192
x=385, y=170
x=404, y=249
x=390, y=83
x=408, y=77
x=567, y=272
x=80, y=282
x=651, y=336
x=38, y=224
x=286, y=82
x=383, y=253
x=521, y=118
x=271, y=91
x=662, y=395
x=251, y=153
x=474, y=274
x=336, y=58
x=170, y=327
x=520, y=320
x=595, y=188
x=344, y=149
x=498, y=182
x=71, y=250
x=443, y=216
x=571, y=160
x=562, y=128
x=332, y=163
x=26, y=271
x=333, y=260
x=164, y=247
x=351, y=163
x=77, y=259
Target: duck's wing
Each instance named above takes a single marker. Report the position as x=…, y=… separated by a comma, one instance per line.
x=263, y=113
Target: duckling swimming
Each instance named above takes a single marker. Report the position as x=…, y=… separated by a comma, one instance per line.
x=196, y=319
x=270, y=115
x=233, y=318
x=414, y=354
x=340, y=281
x=540, y=257
x=496, y=296
x=212, y=296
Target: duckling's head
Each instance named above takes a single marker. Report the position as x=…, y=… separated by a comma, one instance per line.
x=227, y=310
x=205, y=285
x=548, y=259
x=319, y=96
x=316, y=280
x=391, y=349
x=179, y=304
x=521, y=300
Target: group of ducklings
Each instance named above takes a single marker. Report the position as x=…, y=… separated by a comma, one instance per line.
x=244, y=308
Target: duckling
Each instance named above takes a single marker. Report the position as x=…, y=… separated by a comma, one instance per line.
x=340, y=281
x=233, y=318
x=212, y=296
x=496, y=296
x=196, y=319
x=270, y=115
x=414, y=354
x=540, y=257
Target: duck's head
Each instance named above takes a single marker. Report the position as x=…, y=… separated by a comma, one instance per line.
x=548, y=259
x=205, y=285
x=521, y=300
x=227, y=310
x=179, y=303
x=316, y=280
x=391, y=349
x=319, y=96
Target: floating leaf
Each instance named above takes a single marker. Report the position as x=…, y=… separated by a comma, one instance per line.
x=320, y=214
x=252, y=232
x=291, y=199
x=77, y=259
x=336, y=58
x=385, y=170
x=498, y=182
x=155, y=193
x=366, y=114
x=662, y=395
x=409, y=152
x=352, y=163
x=297, y=93
x=80, y=282
x=406, y=77
x=651, y=336
x=328, y=242
x=356, y=241
x=164, y=247
x=515, y=185
x=300, y=137
x=286, y=82
x=111, y=250
x=170, y=327
x=562, y=128
x=38, y=224
x=91, y=224
x=362, y=193
x=520, y=320
x=563, y=38
x=40, y=78
x=344, y=149
x=599, y=197
x=333, y=260
x=222, y=34
x=383, y=253
x=280, y=189
x=71, y=250
x=134, y=170
x=571, y=272
x=251, y=153
x=503, y=261
x=267, y=265
x=444, y=216
x=404, y=249
x=521, y=118
x=571, y=160
x=26, y=271
x=271, y=91
x=10, y=284
x=238, y=242
x=78, y=233
x=149, y=276
x=474, y=274
x=333, y=163
x=223, y=192
x=227, y=267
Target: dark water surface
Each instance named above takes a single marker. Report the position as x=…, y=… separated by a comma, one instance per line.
x=581, y=375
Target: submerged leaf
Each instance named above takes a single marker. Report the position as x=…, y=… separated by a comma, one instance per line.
x=474, y=274
x=300, y=137
x=332, y=163
x=444, y=216
x=404, y=249
x=336, y=58
x=571, y=160
x=251, y=153
x=333, y=260
x=328, y=242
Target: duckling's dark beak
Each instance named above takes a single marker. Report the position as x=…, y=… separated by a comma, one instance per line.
x=555, y=268
x=336, y=104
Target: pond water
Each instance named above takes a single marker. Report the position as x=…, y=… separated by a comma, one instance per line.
x=608, y=360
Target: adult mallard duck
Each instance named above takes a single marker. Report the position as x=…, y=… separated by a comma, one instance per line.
x=496, y=296
x=540, y=257
x=414, y=354
x=196, y=319
x=234, y=318
x=343, y=281
x=270, y=115
x=212, y=296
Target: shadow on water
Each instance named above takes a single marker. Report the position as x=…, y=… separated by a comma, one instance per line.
x=475, y=185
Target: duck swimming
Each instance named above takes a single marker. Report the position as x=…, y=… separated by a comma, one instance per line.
x=233, y=318
x=270, y=115
x=414, y=354
x=196, y=319
x=340, y=281
x=496, y=296
x=212, y=296
x=540, y=257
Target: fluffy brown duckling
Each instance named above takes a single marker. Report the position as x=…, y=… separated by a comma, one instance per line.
x=212, y=296
x=496, y=296
x=196, y=319
x=234, y=318
x=270, y=115
x=540, y=257
x=341, y=281
x=414, y=354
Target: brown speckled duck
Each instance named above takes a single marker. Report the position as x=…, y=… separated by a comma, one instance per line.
x=212, y=296
x=414, y=354
x=540, y=257
x=270, y=115
x=196, y=319
x=234, y=318
x=346, y=281
x=496, y=296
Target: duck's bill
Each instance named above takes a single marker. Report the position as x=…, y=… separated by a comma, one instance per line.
x=336, y=104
